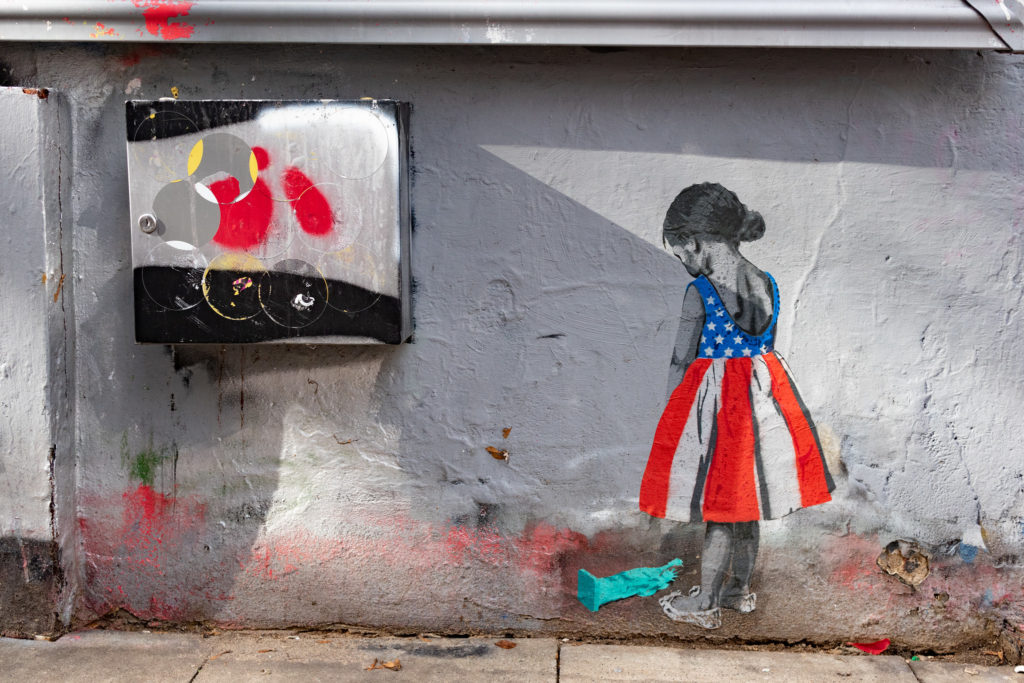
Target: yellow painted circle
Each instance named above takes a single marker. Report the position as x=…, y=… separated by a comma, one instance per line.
x=231, y=285
x=195, y=157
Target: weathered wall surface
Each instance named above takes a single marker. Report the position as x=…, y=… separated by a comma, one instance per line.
x=272, y=485
x=35, y=374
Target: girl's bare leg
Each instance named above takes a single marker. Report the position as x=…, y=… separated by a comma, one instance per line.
x=719, y=543
x=746, y=539
x=736, y=593
x=701, y=606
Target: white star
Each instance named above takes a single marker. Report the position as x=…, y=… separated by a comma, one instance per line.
x=711, y=326
x=728, y=327
x=711, y=299
x=703, y=339
x=737, y=339
x=719, y=339
x=764, y=349
x=708, y=350
x=746, y=352
x=720, y=312
x=728, y=353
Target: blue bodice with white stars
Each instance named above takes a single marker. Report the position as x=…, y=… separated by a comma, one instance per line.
x=721, y=336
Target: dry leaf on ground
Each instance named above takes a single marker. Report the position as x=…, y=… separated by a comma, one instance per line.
x=395, y=665
x=497, y=453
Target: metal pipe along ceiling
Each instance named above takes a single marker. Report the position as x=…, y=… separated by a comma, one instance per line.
x=763, y=23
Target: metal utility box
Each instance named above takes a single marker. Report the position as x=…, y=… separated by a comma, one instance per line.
x=269, y=221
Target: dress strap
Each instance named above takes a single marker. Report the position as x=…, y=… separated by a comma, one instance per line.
x=708, y=295
x=775, y=298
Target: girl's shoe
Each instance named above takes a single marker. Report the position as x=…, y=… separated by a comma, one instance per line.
x=744, y=603
x=687, y=609
x=734, y=598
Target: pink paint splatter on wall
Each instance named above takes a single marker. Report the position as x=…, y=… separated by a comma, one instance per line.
x=158, y=15
x=154, y=524
x=536, y=551
x=276, y=558
x=134, y=541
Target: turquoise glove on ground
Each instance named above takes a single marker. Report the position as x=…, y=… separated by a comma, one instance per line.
x=594, y=592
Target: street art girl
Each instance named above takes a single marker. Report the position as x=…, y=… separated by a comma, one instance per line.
x=735, y=444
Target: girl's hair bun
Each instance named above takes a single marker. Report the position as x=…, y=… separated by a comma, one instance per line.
x=711, y=209
x=752, y=227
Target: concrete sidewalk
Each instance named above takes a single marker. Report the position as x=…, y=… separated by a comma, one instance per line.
x=309, y=657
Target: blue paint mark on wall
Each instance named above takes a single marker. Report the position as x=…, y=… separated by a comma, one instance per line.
x=968, y=552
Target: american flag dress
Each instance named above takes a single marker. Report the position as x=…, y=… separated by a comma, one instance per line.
x=735, y=442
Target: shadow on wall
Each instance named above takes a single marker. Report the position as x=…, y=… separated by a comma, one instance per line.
x=560, y=333
x=29, y=585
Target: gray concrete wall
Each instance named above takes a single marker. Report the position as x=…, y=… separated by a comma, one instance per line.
x=36, y=396
x=271, y=485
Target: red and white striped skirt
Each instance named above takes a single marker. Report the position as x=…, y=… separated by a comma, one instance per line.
x=735, y=444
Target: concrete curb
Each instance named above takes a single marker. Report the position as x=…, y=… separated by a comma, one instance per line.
x=310, y=657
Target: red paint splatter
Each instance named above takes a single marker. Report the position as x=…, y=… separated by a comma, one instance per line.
x=262, y=157
x=309, y=204
x=144, y=553
x=158, y=15
x=245, y=223
x=152, y=521
x=226, y=191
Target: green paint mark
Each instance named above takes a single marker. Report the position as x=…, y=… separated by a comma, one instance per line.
x=594, y=592
x=144, y=464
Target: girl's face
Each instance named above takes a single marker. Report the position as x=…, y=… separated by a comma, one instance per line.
x=694, y=258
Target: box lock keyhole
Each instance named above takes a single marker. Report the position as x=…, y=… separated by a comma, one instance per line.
x=147, y=223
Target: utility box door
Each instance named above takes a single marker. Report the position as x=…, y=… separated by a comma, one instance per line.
x=269, y=221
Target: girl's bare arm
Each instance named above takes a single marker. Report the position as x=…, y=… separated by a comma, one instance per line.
x=691, y=322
